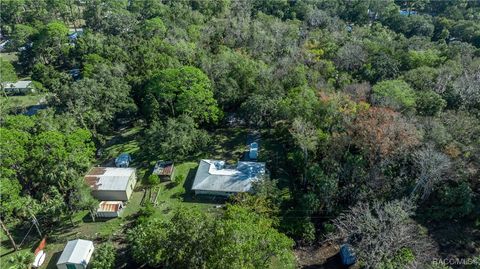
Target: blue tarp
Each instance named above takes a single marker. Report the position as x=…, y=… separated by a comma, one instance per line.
x=123, y=160
x=347, y=255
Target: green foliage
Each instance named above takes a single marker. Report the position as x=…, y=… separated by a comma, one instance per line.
x=394, y=93
x=239, y=238
x=175, y=139
x=48, y=164
x=451, y=202
x=21, y=260
x=153, y=180
x=429, y=57
x=429, y=103
x=184, y=91
x=154, y=27
x=7, y=71
x=402, y=259
x=103, y=257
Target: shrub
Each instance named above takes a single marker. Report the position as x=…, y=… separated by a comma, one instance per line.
x=104, y=257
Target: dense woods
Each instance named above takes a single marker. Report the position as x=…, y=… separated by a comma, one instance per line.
x=371, y=110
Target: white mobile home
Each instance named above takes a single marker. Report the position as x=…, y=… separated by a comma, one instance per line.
x=76, y=254
x=214, y=177
x=111, y=183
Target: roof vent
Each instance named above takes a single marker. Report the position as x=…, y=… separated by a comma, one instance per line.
x=219, y=165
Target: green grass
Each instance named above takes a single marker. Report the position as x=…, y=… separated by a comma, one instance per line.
x=9, y=56
x=20, y=102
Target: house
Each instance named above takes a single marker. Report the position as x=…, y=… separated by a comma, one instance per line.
x=19, y=87
x=214, y=177
x=110, y=209
x=123, y=160
x=111, y=183
x=164, y=170
x=76, y=254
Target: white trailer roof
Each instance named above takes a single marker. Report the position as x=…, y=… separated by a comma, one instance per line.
x=212, y=175
x=77, y=251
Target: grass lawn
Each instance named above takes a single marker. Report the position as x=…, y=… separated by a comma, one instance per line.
x=20, y=102
x=9, y=56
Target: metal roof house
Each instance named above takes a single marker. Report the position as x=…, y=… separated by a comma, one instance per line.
x=111, y=183
x=76, y=254
x=215, y=178
x=19, y=87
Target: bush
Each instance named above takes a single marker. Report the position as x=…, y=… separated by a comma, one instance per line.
x=103, y=257
x=153, y=180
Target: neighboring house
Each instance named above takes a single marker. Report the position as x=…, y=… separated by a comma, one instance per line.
x=110, y=209
x=111, y=183
x=164, y=170
x=76, y=254
x=123, y=160
x=19, y=87
x=215, y=178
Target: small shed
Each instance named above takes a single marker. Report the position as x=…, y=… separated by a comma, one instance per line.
x=164, y=170
x=123, y=160
x=76, y=254
x=110, y=209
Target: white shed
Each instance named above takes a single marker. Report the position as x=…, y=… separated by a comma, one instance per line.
x=76, y=254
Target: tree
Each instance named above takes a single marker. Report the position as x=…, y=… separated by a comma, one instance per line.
x=351, y=57
x=154, y=27
x=95, y=102
x=306, y=137
x=381, y=135
x=184, y=91
x=396, y=94
x=191, y=239
x=467, y=88
x=8, y=71
x=429, y=103
x=431, y=168
x=246, y=240
x=103, y=257
x=51, y=42
x=175, y=139
x=182, y=242
x=364, y=227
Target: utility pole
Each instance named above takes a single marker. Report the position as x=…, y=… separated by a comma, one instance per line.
x=4, y=228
